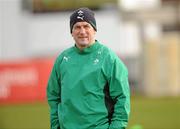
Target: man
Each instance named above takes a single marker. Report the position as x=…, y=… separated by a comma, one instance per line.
x=88, y=87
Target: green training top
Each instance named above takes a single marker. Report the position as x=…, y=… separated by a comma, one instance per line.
x=88, y=89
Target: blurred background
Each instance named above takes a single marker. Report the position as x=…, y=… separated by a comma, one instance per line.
x=144, y=33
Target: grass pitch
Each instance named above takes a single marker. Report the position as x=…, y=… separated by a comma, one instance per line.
x=146, y=113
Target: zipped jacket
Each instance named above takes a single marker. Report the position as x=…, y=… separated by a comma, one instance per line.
x=88, y=89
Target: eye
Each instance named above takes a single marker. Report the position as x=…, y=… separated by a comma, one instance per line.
x=76, y=27
x=87, y=26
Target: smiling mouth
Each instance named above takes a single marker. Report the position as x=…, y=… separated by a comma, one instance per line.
x=82, y=37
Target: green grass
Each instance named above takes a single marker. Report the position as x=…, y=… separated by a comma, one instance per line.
x=28, y=116
x=161, y=113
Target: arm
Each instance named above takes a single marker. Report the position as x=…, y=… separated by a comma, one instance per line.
x=53, y=97
x=120, y=93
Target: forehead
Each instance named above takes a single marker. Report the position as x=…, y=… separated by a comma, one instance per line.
x=81, y=23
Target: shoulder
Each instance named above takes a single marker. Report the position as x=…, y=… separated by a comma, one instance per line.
x=65, y=53
x=109, y=53
x=110, y=57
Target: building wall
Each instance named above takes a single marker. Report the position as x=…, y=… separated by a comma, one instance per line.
x=25, y=34
x=11, y=29
x=161, y=71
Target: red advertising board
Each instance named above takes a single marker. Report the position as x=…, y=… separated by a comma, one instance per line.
x=24, y=81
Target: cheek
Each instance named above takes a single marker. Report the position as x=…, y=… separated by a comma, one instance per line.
x=92, y=34
x=74, y=35
x=74, y=32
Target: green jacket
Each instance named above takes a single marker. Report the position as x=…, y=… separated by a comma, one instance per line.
x=89, y=89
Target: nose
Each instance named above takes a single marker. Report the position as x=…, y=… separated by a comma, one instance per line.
x=82, y=30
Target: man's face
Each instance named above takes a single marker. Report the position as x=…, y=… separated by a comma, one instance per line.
x=83, y=34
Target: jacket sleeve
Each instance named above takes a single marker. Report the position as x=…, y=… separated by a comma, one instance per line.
x=120, y=93
x=53, y=96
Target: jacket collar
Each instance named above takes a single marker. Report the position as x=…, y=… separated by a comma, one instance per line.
x=87, y=50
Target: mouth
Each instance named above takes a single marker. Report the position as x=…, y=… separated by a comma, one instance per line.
x=82, y=37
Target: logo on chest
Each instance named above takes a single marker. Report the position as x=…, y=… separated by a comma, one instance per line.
x=96, y=61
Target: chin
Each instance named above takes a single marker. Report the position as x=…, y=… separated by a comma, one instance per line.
x=83, y=43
